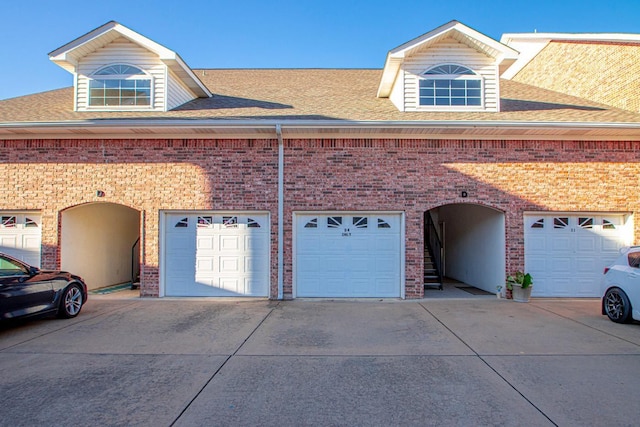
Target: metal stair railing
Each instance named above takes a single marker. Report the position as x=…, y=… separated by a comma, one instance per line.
x=434, y=246
x=135, y=260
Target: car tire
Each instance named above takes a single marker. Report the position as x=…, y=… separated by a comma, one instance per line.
x=617, y=305
x=71, y=302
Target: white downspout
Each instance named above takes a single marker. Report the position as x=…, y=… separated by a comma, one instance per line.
x=280, y=212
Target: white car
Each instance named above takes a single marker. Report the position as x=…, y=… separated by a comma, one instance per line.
x=620, y=287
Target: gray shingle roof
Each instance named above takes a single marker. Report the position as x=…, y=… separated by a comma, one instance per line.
x=318, y=94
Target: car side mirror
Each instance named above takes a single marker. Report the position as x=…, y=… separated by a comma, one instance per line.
x=33, y=271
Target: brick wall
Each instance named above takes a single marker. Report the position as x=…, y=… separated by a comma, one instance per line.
x=393, y=175
x=599, y=71
x=415, y=176
x=146, y=175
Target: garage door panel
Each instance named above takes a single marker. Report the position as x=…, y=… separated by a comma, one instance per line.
x=562, y=287
x=587, y=285
x=229, y=243
x=587, y=265
x=180, y=242
x=10, y=242
x=385, y=265
x=253, y=265
x=232, y=284
x=561, y=244
x=205, y=242
x=560, y=265
x=612, y=245
x=361, y=287
x=311, y=262
x=587, y=243
x=536, y=243
x=312, y=285
x=536, y=264
x=387, y=243
x=360, y=244
x=385, y=285
x=204, y=265
x=257, y=242
x=229, y=264
x=333, y=264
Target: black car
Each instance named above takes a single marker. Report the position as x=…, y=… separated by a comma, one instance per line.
x=28, y=291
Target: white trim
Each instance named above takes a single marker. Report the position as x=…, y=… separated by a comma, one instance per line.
x=119, y=77
x=403, y=250
x=75, y=91
x=507, y=38
x=162, y=285
x=475, y=77
x=166, y=90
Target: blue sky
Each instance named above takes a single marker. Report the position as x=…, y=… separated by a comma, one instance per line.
x=277, y=33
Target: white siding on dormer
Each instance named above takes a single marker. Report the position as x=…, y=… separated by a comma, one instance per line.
x=405, y=91
x=123, y=51
x=177, y=92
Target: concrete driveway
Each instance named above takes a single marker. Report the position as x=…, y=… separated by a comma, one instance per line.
x=475, y=361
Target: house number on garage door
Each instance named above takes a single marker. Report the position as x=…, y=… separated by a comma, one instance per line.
x=346, y=233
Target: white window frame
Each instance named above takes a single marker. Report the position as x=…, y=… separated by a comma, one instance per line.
x=449, y=77
x=144, y=76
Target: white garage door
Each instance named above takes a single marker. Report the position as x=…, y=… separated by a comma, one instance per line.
x=21, y=236
x=211, y=254
x=566, y=253
x=348, y=255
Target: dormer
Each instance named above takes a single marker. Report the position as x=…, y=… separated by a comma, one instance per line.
x=117, y=69
x=452, y=68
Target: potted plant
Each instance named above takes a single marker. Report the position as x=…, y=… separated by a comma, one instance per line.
x=520, y=284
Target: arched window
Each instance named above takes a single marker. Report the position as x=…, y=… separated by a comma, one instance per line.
x=119, y=85
x=450, y=85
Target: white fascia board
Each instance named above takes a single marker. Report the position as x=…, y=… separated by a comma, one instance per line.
x=327, y=124
x=508, y=38
x=65, y=49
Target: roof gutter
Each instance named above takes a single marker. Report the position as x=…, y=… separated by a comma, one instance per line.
x=264, y=129
x=269, y=124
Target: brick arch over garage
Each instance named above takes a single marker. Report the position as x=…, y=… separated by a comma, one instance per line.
x=98, y=241
x=473, y=238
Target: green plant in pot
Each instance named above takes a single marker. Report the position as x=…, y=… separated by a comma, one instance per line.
x=520, y=284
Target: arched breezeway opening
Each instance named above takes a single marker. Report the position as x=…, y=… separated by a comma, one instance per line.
x=464, y=245
x=100, y=242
